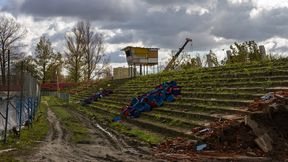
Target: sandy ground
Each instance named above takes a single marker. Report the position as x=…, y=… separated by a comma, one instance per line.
x=105, y=145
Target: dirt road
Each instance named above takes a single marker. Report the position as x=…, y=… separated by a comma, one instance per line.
x=105, y=144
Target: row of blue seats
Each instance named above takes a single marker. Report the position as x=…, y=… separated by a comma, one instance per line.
x=167, y=91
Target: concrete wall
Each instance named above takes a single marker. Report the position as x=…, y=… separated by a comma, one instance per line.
x=120, y=73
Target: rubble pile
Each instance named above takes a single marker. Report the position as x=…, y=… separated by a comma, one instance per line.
x=272, y=132
x=269, y=123
x=222, y=138
x=177, y=145
x=262, y=133
x=270, y=99
x=232, y=137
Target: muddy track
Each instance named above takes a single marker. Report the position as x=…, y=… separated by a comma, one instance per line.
x=117, y=147
x=55, y=147
x=104, y=144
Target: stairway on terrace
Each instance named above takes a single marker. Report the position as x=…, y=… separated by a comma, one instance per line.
x=208, y=94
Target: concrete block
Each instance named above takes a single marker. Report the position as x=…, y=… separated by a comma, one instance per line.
x=254, y=126
x=264, y=142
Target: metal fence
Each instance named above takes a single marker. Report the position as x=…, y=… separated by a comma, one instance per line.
x=19, y=100
x=60, y=95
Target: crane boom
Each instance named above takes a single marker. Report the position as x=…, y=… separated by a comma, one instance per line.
x=177, y=54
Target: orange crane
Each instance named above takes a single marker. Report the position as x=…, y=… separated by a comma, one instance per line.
x=169, y=66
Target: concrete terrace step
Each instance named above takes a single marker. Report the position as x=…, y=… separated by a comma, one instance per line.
x=238, y=84
x=238, y=68
x=195, y=116
x=239, y=73
x=160, y=128
x=208, y=101
x=148, y=125
x=236, y=90
x=158, y=124
x=191, y=107
x=184, y=114
x=264, y=84
x=207, y=108
x=233, y=80
x=204, y=76
x=214, y=101
x=188, y=79
x=173, y=121
x=220, y=95
x=208, y=94
x=211, y=94
x=235, y=68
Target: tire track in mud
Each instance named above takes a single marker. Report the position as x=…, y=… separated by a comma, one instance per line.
x=55, y=148
x=104, y=145
x=118, y=148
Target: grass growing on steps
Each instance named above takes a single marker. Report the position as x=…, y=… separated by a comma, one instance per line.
x=208, y=94
x=29, y=138
x=122, y=128
x=79, y=133
x=142, y=135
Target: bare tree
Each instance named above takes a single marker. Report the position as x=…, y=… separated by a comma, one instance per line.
x=94, y=56
x=10, y=33
x=85, y=53
x=74, y=55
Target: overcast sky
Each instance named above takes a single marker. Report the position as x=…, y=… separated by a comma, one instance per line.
x=212, y=24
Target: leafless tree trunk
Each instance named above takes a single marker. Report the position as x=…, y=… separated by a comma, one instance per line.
x=86, y=53
x=10, y=33
x=74, y=56
x=94, y=56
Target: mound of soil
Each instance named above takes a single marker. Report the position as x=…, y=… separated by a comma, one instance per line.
x=277, y=129
x=234, y=138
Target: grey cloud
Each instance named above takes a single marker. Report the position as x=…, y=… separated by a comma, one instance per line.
x=280, y=49
x=168, y=29
x=13, y=6
x=178, y=2
x=163, y=29
x=88, y=9
x=125, y=37
x=116, y=57
x=234, y=22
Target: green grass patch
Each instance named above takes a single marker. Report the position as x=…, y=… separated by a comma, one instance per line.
x=79, y=133
x=142, y=135
x=29, y=137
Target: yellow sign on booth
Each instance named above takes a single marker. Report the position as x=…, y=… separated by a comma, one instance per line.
x=139, y=55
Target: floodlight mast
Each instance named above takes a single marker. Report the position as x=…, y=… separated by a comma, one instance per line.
x=169, y=66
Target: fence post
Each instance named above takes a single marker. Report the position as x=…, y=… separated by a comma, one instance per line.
x=35, y=107
x=21, y=96
x=29, y=109
x=8, y=99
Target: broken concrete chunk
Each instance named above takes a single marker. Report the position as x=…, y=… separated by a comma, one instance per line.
x=254, y=126
x=264, y=142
